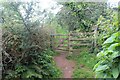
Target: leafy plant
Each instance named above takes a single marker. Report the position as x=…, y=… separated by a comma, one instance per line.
x=40, y=65
x=107, y=25
x=108, y=65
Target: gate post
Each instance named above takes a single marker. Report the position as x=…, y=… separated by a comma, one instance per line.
x=51, y=41
x=69, y=42
x=95, y=38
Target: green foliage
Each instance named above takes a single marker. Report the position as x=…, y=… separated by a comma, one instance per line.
x=41, y=66
x=108, y=63
x=109, y=58
x=25, y=46
x=80, y=15
x=107, y=25
x=56, y=27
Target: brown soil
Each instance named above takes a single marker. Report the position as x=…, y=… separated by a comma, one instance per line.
x=66, y=66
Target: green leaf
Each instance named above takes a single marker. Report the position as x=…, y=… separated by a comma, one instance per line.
x=115, y=72
x=110, y=40
x=102, y=67
x=115, y=54
x=107, y=75
x=96, y=65
x=100, y=54
x=20, y=68
x=30, y=73
x=113, y=46
x=119, y=67
x=99, y=75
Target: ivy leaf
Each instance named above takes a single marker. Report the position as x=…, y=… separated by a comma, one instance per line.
x=115, y=72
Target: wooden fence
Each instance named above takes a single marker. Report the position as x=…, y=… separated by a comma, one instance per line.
x=67, y=42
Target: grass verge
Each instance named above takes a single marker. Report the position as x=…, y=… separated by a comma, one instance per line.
x=85, y=62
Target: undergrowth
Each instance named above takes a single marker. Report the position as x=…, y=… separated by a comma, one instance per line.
x=42, y=66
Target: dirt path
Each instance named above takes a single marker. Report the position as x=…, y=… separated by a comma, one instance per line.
x=67, y=66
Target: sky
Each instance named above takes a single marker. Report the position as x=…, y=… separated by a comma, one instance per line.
x=113, y=3
x=46, y=4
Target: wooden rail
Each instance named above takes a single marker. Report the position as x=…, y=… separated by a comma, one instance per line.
x=59, y=34
x=80, y=44
x=81, y=39
x=84, y=39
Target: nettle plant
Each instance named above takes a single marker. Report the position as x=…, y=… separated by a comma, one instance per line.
x=109, y=58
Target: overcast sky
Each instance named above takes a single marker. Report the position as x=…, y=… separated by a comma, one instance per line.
x=113, y=3
x=46, y=4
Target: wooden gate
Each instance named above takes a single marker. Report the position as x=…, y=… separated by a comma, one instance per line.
x=68, y=42
x=59, y=42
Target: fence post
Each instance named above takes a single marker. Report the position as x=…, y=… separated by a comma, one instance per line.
x=95, y=38
x=69, y=43
x=51, y=41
